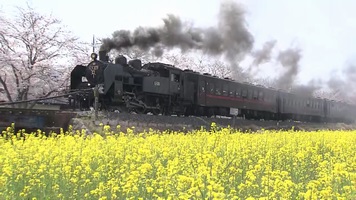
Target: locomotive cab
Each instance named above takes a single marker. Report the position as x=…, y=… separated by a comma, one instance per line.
x=168, y=81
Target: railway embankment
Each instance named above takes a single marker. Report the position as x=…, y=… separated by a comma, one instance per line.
x=47, y=120
x=142, y=122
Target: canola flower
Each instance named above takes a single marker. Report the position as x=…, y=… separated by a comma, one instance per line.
x=215, y=164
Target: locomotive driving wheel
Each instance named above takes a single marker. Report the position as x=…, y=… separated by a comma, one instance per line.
x=140, y=110
x=157, y=111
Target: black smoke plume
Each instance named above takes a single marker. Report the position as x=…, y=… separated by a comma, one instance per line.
x=263, y=55
x=289, y=59
x=309, y=89
x=344, y=85
x=230, y=37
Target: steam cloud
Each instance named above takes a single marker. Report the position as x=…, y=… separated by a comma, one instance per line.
x=263, y=55
x=290, y=61
x=229, y=38
x=343, y=86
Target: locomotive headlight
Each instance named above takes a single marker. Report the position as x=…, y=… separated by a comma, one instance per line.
x=94, y=56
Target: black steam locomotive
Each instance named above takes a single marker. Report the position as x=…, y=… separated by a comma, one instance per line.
x=161, y=88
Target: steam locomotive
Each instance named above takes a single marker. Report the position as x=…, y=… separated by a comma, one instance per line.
x=160, y=88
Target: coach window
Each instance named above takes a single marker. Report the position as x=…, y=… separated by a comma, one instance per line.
x=202, y=87
x=218, y=90
x=175, y=78
x=238, y=93
x=225, y=89
x=255, y=94
x=260, y=96
x=244, y=93
x=211, y=88
x=231, y=91
x=249, y=94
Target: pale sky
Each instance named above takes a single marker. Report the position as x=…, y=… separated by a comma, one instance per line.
x=325, y=30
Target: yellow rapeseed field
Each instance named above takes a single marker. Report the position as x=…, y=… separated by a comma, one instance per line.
x=215, y=164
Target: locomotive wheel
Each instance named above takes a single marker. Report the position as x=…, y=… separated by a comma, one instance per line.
x=156, y=111
x=209, y=112
x=140, y=110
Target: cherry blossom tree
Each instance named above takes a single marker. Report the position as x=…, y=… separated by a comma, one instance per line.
x=36, y=56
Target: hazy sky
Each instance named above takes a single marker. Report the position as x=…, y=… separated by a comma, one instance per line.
x=324, y=30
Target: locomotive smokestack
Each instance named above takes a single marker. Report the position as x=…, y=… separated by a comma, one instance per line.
x=103, y=56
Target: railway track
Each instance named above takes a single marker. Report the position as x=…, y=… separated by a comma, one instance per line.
x=143, y=122
x=52, y=120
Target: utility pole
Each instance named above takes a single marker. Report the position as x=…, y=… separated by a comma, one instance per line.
x=96, y=101
x=93, y=43
x=96, y=91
